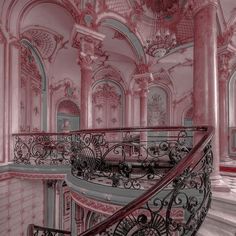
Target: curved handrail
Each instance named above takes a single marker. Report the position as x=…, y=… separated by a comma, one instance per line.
x=190, y=160
x=125, y=129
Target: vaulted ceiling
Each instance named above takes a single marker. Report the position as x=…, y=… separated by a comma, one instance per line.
x=129, y=25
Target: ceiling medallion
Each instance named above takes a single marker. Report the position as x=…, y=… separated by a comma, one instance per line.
x=162, y=41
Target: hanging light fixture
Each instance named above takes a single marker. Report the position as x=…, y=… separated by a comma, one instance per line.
x=161, y=41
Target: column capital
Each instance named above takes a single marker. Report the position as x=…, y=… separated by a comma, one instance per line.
x=143, y=79
x=197, y=5
x=225, y=54
x=86, y=60
x=85, y=39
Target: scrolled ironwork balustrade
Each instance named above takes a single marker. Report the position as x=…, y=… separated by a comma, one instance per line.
x=128, y=157
x=42, y=148
x=185, y=187
x=35, y=230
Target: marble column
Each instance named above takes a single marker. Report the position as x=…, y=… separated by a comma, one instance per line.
x=86, y=40
x=85, y=63
x=224, y=55
x=205, y=82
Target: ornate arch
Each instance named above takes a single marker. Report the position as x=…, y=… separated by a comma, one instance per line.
x=33, y=88
x=116, y=22
x=27, y=6
x=68, y=114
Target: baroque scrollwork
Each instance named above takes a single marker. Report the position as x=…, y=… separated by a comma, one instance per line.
x=190, y=196
x=42, y=149
x=125, y=161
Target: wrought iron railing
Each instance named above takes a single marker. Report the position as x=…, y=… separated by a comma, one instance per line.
x=186, y=186
x=35, y=230
x=42, y=148
x=127, y=158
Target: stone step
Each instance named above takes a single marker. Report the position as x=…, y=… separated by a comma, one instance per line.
x=224, y=203
x=218, y=223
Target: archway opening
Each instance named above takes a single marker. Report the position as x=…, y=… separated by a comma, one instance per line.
x=67, y=116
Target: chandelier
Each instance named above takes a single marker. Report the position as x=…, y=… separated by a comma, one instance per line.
x=160, y=43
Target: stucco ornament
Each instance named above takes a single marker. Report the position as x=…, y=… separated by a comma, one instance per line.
x=163, y=7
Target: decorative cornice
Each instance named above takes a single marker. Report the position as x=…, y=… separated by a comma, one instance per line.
x=25, y=175
x=82, y=33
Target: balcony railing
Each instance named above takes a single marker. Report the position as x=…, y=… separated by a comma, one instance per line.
x=42, y=148
x=185, y=186
x=179, y=173
x=127, y=158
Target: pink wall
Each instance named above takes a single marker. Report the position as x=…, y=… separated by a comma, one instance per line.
x=21, y=204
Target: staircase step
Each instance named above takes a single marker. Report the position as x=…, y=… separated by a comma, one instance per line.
x=218, y=224
x=224, y=203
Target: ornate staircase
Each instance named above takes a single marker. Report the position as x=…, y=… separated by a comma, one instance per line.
x=160, y=165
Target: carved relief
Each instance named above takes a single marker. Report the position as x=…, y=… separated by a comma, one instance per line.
x=118, y=35
x=157, y=107
x=107, y=105
x=70, y=89
x=46, y=42
x=223, y=64
x=226, y=37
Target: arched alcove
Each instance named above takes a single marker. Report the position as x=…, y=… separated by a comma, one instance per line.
x=67, y=116
x=33, y=89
